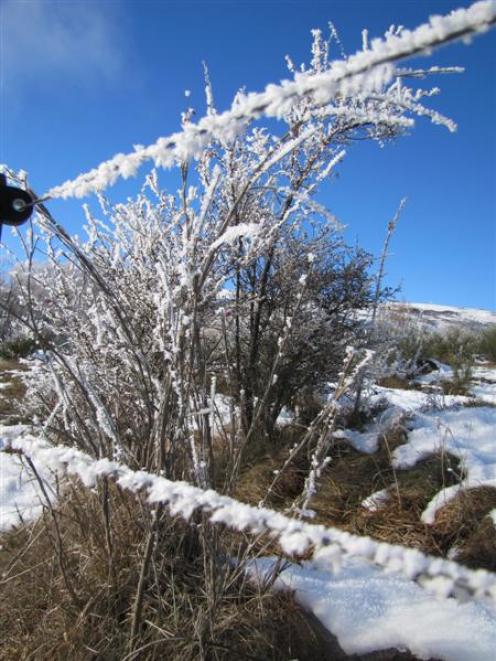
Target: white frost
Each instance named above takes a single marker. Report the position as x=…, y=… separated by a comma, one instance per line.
x=376, y=500
x=330, y=545
x=235, y=232
x=366, y=71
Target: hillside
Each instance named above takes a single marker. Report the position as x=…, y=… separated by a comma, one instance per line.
x=444, y=317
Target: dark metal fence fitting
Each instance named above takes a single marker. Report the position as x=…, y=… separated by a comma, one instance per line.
x=16, y=205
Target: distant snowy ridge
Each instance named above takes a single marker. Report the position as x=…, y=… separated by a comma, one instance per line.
x=443, y=317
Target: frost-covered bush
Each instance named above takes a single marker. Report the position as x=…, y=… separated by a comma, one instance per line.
x=239, y=275
x=310, y=289
x=238, y=279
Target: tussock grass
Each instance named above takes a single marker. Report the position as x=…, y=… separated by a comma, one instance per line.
x=11, y=393
x=397, y=382
x=487, y=344
x=463, y=524
x=69, y=581
x=86, y=611
x=350, y=478
x=263, y=457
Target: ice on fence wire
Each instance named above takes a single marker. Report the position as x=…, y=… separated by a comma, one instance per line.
x=362, y=72
x=295, y=536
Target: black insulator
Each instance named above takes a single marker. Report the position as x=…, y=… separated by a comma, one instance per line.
x=16, y=205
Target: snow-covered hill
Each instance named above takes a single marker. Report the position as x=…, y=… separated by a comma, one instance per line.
x=444, y=317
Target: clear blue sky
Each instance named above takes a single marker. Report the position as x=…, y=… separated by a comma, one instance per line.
x=83, y=80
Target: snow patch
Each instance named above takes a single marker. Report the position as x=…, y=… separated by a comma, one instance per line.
x=367, y=441
x=330, y=545
x=467, y=433
x=415, y=400
x=21, y=498
x=485, y=392
x=369, y=610
x=376, y=500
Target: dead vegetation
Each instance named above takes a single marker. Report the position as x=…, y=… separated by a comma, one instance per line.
x=75, y=584
x=352, y=476
x=397, y=382
x=11, y=391
x=464, y=526
x=87, y=611
x=70, y=582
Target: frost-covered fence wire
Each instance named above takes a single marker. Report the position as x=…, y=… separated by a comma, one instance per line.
x=366, y=71
x=328, y=545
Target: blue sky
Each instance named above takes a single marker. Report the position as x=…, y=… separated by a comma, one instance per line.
x=83, y=80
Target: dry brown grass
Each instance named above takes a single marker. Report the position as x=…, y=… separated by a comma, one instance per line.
x=41, y=620
x=12, y=393
x=265, y=456
x=180, y=618
x=350, y=478
x=479, y=549
x=398, y=382
x=463, y=524
x=10, y=364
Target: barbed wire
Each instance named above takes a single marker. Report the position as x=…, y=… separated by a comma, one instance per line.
x=367, y=70
x=327, y=545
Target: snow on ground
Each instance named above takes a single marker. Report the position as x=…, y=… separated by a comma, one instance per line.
x=416, y=400
x=483, y=385
x=484, y=373
x=443, y=373
x=375, y=501
x=484, y=388
x=399, y=404
x=485, y=392
x=219, y=412
x=363, y=441
x=366, y=608
x=466, y=433
x=20, y=494
x=369, y=610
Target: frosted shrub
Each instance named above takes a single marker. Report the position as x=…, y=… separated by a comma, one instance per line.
x=237, y=278
x=236, y=281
